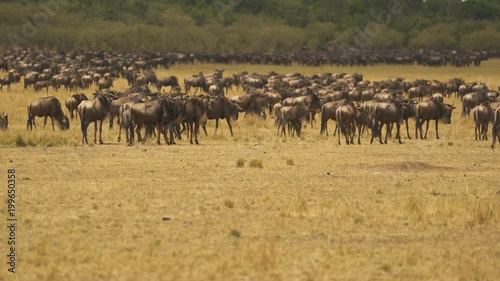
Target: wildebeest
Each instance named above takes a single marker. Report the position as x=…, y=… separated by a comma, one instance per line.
x=483, y=115
x=328, y=111
x=346, y=115
x=4, y=121
x=495, y=127
x=431, y=110
x=171, y=81
x=73, y=102
x=155, y=113
x=386, y=113
x=192, y=112
x=293, y=114
x=5, y=81
x=39, y=85
x=93, y=110
x=197, y=82
x=105, y=84
x=362, y=118
x=47, y=107
x=220, y=108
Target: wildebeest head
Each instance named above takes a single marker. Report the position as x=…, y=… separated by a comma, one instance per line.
x=63, y=122
x=447, y=109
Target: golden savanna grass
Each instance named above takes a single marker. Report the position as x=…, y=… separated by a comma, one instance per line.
x=255, y=206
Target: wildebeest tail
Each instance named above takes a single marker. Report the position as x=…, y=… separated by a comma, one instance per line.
x=30, y=120
x=340, y=123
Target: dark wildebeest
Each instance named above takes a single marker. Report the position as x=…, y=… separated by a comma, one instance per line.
x=431, y=110
x=251, y=104
x=47, y=107
x=105, y=84
x=5, y=81
x=310, y=100
x=171, y=81
x=4, y=121
x=471, y=100
x=125, y=112
x=39, y=85
x=197, y=82
x=220, y=108
x=386, y=113
x=328, y=111
x=483, y=115
x=495, y=127
x=408, y=112
x=73, y=102
x=293, y=114
x=156, y=113
x=93, y=110
x=362, y=119
x=114, y=110
x=346, y=115
x=192, y=112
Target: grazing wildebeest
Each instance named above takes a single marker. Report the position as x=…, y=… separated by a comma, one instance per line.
x=328, y=111
x=73, y=102
x=47, y=107
x=4, y=121
x=386, y=113
x=431, y=110
x=346, y=115
x=191, y=113
x=93, y=110
x=171, y=81
x=220, y=108
x=293, y=114
x=483, y=115
x=495, y=127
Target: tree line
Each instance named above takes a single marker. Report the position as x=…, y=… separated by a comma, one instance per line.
x=249, y=26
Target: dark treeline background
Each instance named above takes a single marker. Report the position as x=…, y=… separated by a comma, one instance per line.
x=246, y=25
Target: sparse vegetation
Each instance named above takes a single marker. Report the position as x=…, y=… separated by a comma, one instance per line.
x=255, y=163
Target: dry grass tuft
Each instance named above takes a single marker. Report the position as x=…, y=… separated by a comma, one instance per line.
x=255, y=163
x=240, y=163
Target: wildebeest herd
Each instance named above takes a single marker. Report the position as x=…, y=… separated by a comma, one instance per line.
x=353, y=103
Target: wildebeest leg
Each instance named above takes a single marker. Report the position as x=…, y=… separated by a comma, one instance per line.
x=359, y=133
x=138, y=132
x=398, y=132
x=95, y=132
x=44, y=122
x=160, y=131
x=437, y=133
x=204, y=127
x=216, y=124
x=407, y=129
x=427, y=129
x=100, y=131
x=120, y=134
x=190, y=125
x=52, y=122
x=196, y=130
x=228, y=120
x=387, y=132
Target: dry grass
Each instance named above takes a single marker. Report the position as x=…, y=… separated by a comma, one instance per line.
x=424, y=210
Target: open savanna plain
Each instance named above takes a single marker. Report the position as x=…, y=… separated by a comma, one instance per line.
x=254, y=206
